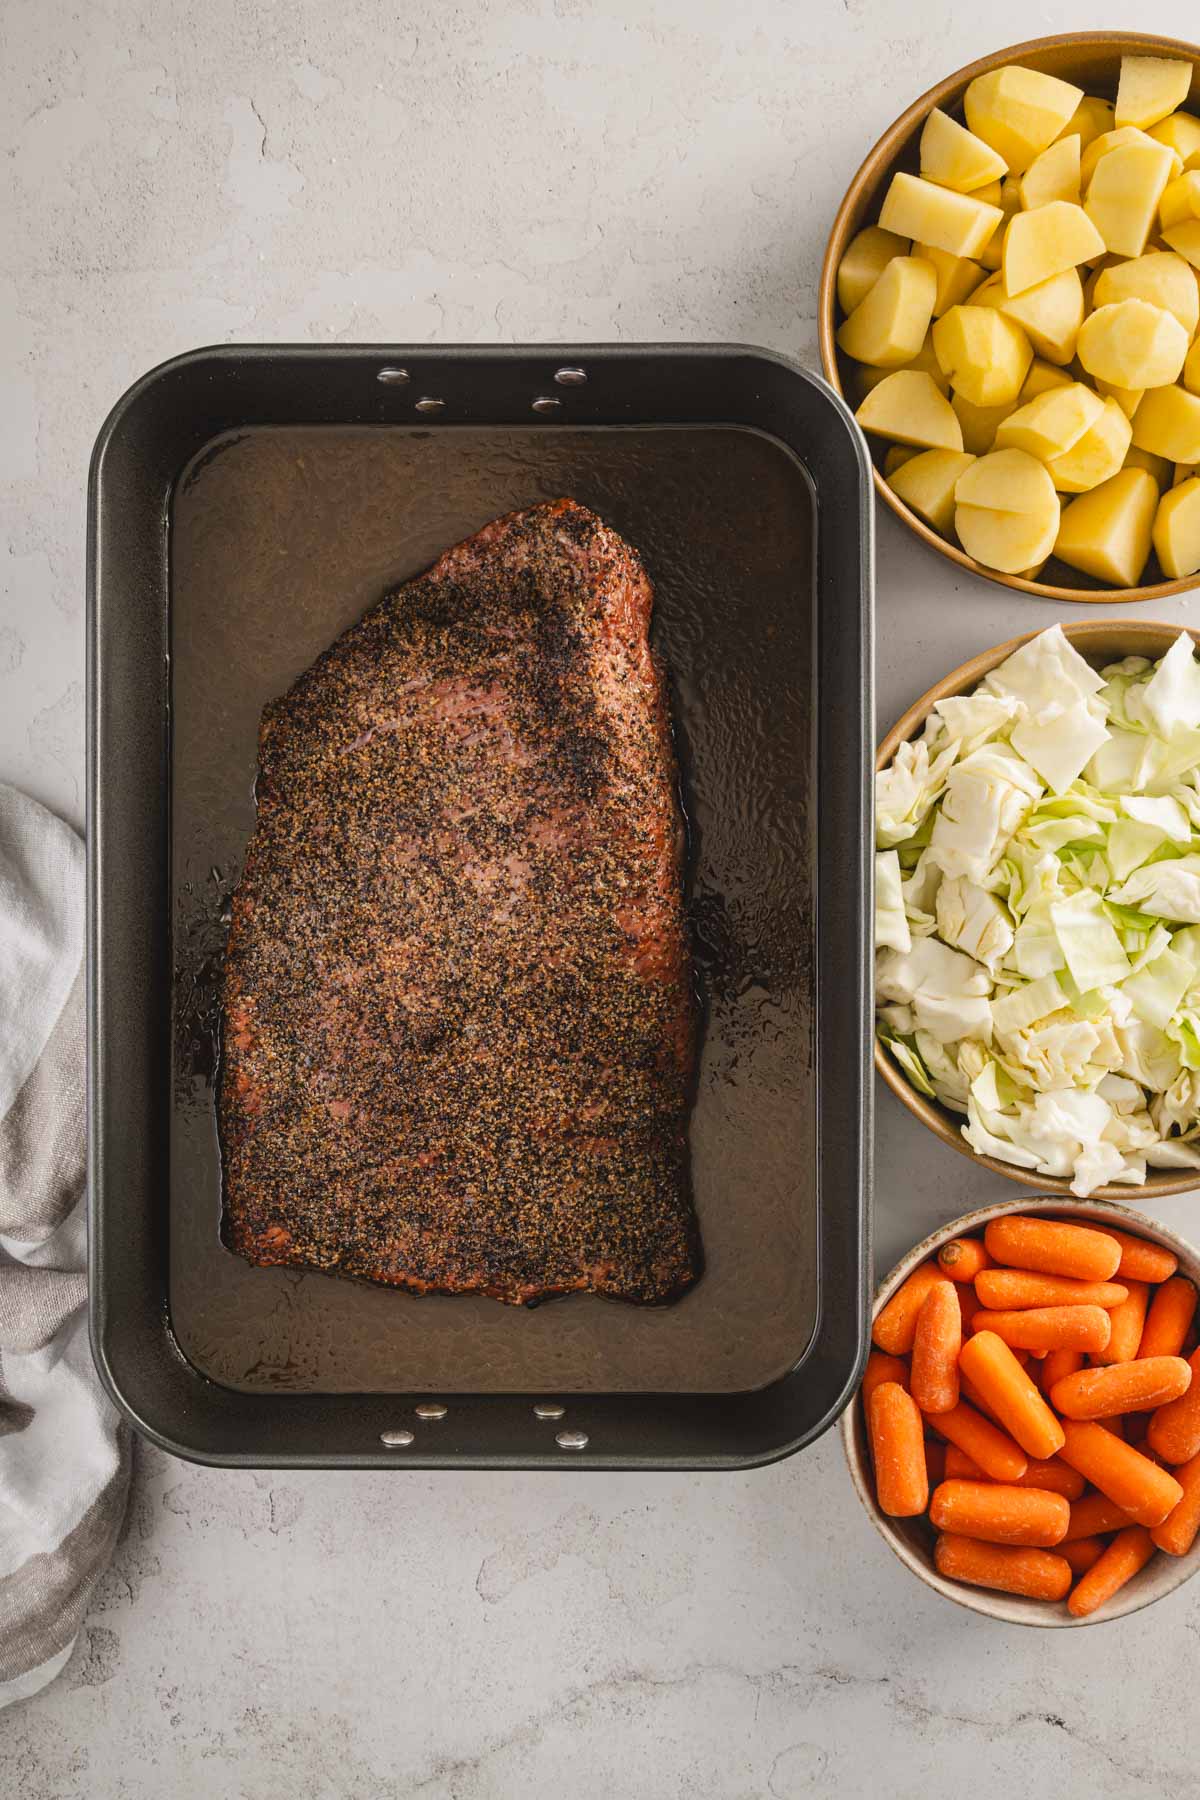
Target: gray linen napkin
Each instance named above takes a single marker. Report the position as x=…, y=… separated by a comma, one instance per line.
x=64, y=1459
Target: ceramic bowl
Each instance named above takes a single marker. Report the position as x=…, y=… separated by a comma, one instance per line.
x=1092, y=60
x=913, y=1539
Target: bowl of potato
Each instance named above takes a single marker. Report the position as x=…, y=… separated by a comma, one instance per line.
x=1010, y=300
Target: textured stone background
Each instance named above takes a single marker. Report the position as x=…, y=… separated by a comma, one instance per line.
x=175, y=175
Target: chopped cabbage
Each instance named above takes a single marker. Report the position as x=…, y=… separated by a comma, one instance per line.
x=891, y=925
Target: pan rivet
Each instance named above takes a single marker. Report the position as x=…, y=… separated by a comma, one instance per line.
x=572, y=1440
x=396, y=1440
x=428, y=404
x=546, y=1410
x=571, y=377
x=431, y=1409
x=546, y=403
x=392, y=377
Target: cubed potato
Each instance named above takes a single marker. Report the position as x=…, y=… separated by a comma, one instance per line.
x=1168, y=423
x=1180, y=200
x=985, y=354
x=908, y=407
x=1191, y=369
x=1094, y=457
x=1128, y=399
x=1006, y=481
x=958, y=276
x=1106, y=532
x=1158, y=466
x=1041, y=378
x=1114, y=140
x=927, y=485
x=1181, y=132
x=1123, y=196
x=1048, y=425
x=889, y=326
x=866, y=377
x=935, y=215
x=1040, y=244
x=1050, y=314
x=1161, y=277
x=954, y=157
x=896, y=455
x=1009, y=202
x=979, y=423
x=1177, y=530
x=991, y=191
x=1011, y=542
x=1132, y=343
x=1090, y=120
x=867, y=256
x=1054, y=175
x=1019, y=112
x=1185, y=239
x=1183, y=472
x=1150, y=87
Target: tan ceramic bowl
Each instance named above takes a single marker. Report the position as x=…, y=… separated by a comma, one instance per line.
x=1101, y=642
x=1091, y=60
x=913, y=1539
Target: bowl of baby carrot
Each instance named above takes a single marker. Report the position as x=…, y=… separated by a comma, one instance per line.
x=1027, y=1433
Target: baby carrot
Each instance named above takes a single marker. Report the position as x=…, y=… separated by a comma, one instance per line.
x=985, y=1444
x=896, y=1325
x=1116, y=1424
x=987, y=1361
x=1056, y=1364
x=1081, y=1553
x=1140, y=1261
x=1174, y=1431
x=1102, y=1393
x=1000, y=1513
x=938, y=1340
x=1037, y=1573
x=1042, y=1328
x=960, y=1466
x=1129, y=1551
x=935, y=1461
x=1093, y=1516
x=962, y=1259
x=1177, y=1533
x=968, y=1306
x=881, y=1367
x=1127, y=1321
x=1052, y=1248
x=1008, y=1290
x=1052, y=1476
x=898, y=1452
x=1146, y=1492
x=1169, y=1319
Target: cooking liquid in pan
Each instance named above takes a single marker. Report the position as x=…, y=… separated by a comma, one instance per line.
x=281, y=537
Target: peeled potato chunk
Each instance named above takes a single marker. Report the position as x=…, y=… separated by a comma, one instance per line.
x=1041, y=378
x=984, y=353
x=1168, y=423
x=957, y=276
x=1012, y=542
x=979, y=423
x=907, y=406
x=1157, y=466
x=1128, y=399
x=896, y=455
x=1177, y=530
x=1123, y=196
x=1106, y=532
x=923, y=363
x=954, y=157
x=1181, y=132
x=889, y=326
x=1049, y=424
x=1006, y=481
x=1186, y=239
x=1191, y=369
x=1040, y=244
x=1161, y=277
x=1019, y=112
x=1151, y=87
x=1092, y=458
x=1181, y=199
x=926, y=483
x=867, y=256
x=1009, y=202
x=1050, y=314
x=1054, y=175
x=1090, y=120
x=935, y=215
x=1132, y=343
x=1113, y=140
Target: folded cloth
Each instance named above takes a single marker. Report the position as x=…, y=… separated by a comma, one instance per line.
x=64, y=1458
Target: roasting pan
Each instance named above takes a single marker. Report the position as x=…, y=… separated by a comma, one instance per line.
x=245, y=506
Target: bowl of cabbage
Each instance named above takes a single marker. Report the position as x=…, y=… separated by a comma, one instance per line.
x=1037, y=920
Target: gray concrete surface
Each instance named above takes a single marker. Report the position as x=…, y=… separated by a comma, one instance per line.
x=556, y=169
